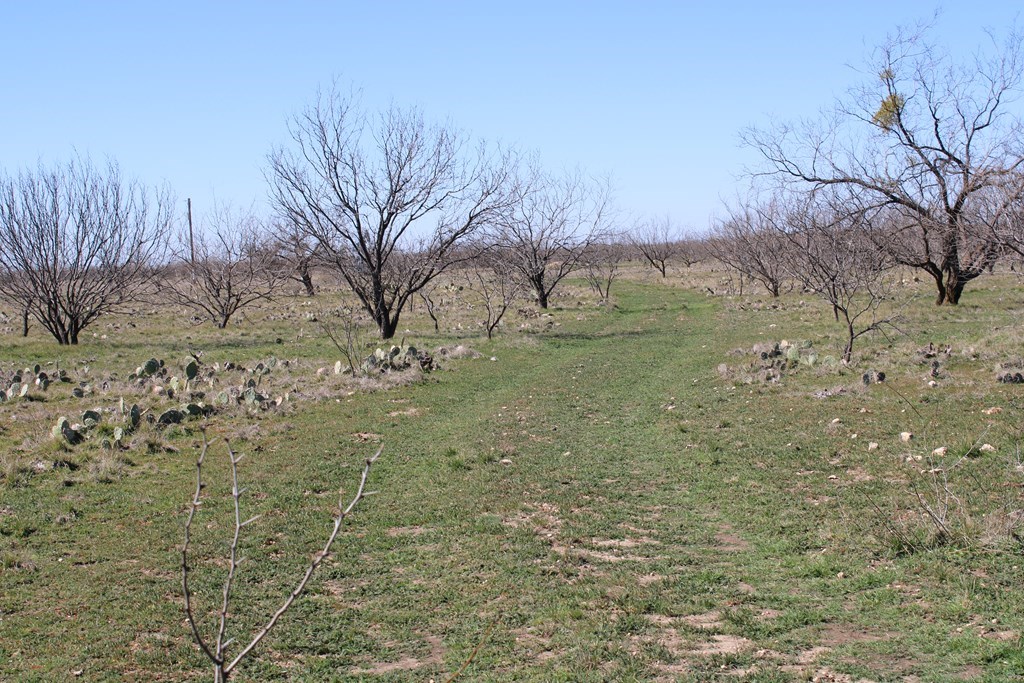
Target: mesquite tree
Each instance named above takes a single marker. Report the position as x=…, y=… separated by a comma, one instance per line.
x=601, y=266
x=747, y=242
x=829, y=253
x=387, y=198
x=922, y=142
x=551, y=224
x=78, y=241
x=498, y=285
x=234, y=264
x=299, y=254
x=658, y=241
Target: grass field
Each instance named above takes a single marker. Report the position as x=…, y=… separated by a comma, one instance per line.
x=594, y=498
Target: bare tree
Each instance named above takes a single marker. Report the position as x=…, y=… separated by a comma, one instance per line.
x=78, y=242
x=427, y=295
x=831, y=255
x=342, y=327
x=657, y=241
x=216, y=649
x=235, y=266
x=920, y=143
x=601, y=266
x=496, y=281
x=746, y=241
x=299, y=253
x=388, y=199
x=549, y=227
x=1001, y=213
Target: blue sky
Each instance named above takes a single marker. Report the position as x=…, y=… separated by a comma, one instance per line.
x=653, y=93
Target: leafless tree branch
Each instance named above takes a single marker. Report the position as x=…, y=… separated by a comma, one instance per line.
x=218, y=654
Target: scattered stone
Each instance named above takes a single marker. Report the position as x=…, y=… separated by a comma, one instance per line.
x=933, y=384
x=1010, y=377
x=987, y=448
x=940, y=451
x=872, y=446
x=457, y=352
x=995, y=410
x=505, y=461
x=931, y=351
x=828, y=393
x=872, y=377
x=905, y=437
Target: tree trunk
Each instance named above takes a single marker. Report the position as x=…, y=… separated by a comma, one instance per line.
x=940, y=287
x=388, y=326
x=537, y=281
x=307, y=282
x=954, y=288
x=850, y=336
x=24, y=323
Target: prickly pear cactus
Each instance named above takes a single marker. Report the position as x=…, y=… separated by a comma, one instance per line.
x=172, y=416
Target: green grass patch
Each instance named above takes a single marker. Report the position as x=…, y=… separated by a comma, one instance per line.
x=616, y=505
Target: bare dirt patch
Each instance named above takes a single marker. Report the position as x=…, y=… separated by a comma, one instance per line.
x=729, y=541
x=434, y=657
x=834, y=635
x=537, y=644
x=708, y=621
x=408, y=412
x=622, y=543
x=723, y=644
x=648, y=579
x=545, y=520
x=364, y=437
x=397, y=531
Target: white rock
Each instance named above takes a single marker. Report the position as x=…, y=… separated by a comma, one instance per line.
x=905, y=437
x=933, y=384
x=987, y=448
x=873, y=446
x=940, y=451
